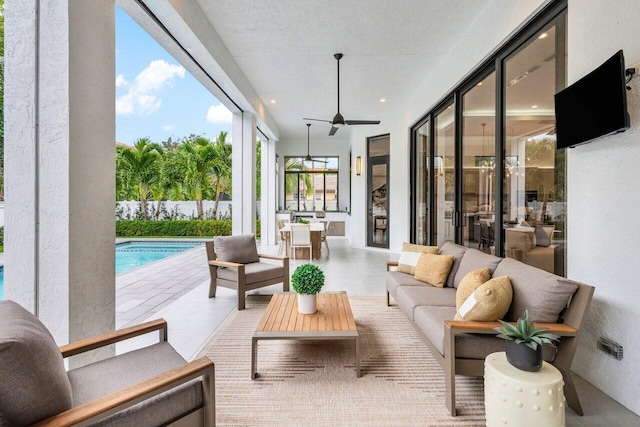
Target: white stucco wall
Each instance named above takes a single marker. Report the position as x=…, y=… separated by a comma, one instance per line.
x=603, y=202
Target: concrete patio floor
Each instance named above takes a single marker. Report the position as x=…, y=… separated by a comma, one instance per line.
x=176, y=289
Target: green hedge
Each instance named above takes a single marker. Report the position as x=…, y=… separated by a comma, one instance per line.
x=186, y=228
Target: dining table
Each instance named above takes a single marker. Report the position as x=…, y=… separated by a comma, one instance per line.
x=316, y=229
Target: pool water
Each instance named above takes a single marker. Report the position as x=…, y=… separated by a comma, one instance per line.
x=132, y=255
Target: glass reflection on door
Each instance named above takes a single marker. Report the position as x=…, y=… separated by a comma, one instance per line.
x=478, y=164
x=422, y=184
x=444, y=175
x=378, y=190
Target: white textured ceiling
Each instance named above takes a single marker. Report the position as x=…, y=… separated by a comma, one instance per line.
x=285, y=49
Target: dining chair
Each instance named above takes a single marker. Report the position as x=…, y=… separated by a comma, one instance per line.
x=323, y=236
x=300, y=238
x=283, y=236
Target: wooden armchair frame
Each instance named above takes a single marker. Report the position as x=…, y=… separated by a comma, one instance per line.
x=115, y=402
x=240, y=284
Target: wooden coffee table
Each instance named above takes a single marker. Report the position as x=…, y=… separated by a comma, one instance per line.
x=281, y=321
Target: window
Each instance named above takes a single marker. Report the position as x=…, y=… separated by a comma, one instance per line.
x=311, y=185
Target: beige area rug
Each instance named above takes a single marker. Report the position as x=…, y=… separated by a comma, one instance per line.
x=305, y=383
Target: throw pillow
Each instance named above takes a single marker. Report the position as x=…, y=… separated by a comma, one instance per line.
x=470, y=283
x=241, y=249
x=434, y=269
x=33, y=372
x=489, y=302
x=410, y=254
x=543, y=235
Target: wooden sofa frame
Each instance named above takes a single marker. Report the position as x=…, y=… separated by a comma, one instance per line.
x=569, y=332
x=240, y=284
x=115, y=402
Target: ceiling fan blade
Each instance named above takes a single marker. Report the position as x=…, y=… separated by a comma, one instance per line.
x=318, y=120
x=362, y=122
x=333, y=130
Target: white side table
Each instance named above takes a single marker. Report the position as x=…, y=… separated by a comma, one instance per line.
x=514, y=397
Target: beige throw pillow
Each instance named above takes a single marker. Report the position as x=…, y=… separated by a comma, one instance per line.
x=470, y=283
x=434, y=269
x=410, y=255
x=489, y=302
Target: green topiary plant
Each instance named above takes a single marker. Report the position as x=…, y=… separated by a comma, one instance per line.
x=526, y=333
x=307, y=279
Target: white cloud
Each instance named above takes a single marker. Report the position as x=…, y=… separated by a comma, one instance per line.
x=168, y=128
x=219, y=114
x=141, y=96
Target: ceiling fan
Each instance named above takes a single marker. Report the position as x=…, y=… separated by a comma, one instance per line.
x=309, y=158
x=339, y=121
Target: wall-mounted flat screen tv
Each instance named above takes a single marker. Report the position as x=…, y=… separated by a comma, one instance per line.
x=594, y=106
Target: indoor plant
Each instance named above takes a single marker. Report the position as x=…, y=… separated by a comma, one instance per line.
x=307, y=280
x=524, y=343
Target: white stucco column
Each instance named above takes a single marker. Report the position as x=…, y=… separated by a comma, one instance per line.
x=60, y=163
x=243, y=178
x=268, y=193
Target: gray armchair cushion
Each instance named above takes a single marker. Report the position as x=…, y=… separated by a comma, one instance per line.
x=472, y=260
x=450, y=248
x=544, y=294
x=34, y=382
x=241, y=249
x=254, y=272
x=116, y=373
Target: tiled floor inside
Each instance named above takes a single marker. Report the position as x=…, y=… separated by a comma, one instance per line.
x=177, y=287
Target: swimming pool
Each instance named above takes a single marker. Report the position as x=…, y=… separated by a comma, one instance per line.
x=130, y=255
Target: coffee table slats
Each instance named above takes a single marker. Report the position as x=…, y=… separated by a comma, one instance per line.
x=334, y=314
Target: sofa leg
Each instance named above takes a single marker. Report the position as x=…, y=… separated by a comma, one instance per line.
x=570, y=392
x=450, y=370
x=388, y=303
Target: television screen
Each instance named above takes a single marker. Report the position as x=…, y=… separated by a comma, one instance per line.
x=594, y=106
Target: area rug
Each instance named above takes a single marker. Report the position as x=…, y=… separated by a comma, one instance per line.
x=305, y=383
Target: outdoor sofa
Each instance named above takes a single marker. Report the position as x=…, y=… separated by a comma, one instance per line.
x=461, y=346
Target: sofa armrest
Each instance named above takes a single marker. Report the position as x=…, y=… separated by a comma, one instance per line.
x=467, y=326
x=108, y=338
x=391, y=264
x=136, y=393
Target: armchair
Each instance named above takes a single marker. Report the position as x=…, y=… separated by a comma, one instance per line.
x=234, y=263
x=150, y=386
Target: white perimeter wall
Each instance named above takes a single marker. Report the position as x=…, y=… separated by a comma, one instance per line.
x=603, y=203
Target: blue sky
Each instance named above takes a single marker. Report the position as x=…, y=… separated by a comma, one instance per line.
x=155, y=96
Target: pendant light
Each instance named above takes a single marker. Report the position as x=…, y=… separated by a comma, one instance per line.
x=308, y=158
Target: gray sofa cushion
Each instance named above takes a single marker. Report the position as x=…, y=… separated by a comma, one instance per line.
x=430, y=320
x=410, y=297
x=472, y=260
x=396, y=278
x=110, y=375
x=241, y=249
x=34, y=382
x=450, y=248
x=544, y=294
x=254, y=272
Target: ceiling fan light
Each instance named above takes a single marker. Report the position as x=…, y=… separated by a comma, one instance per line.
x=308, y=158
x=338, y=125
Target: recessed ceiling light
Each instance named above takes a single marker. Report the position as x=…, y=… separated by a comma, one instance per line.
x=542, y=36
x=273, y=101
x=534, y=106
x=383, y=99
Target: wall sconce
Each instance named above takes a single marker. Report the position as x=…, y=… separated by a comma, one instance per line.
x=358, y=165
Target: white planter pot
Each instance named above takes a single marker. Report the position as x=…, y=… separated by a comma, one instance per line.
x=307, y=304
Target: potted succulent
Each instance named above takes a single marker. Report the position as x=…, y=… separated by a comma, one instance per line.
x=524, y=343
x=307, y=280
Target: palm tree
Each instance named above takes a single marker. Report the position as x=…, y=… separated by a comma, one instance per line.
x=221, y=169
x=140, y=166
x=291, y=179
x=201, y=157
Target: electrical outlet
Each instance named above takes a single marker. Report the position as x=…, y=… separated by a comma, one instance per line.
x=610, y=347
